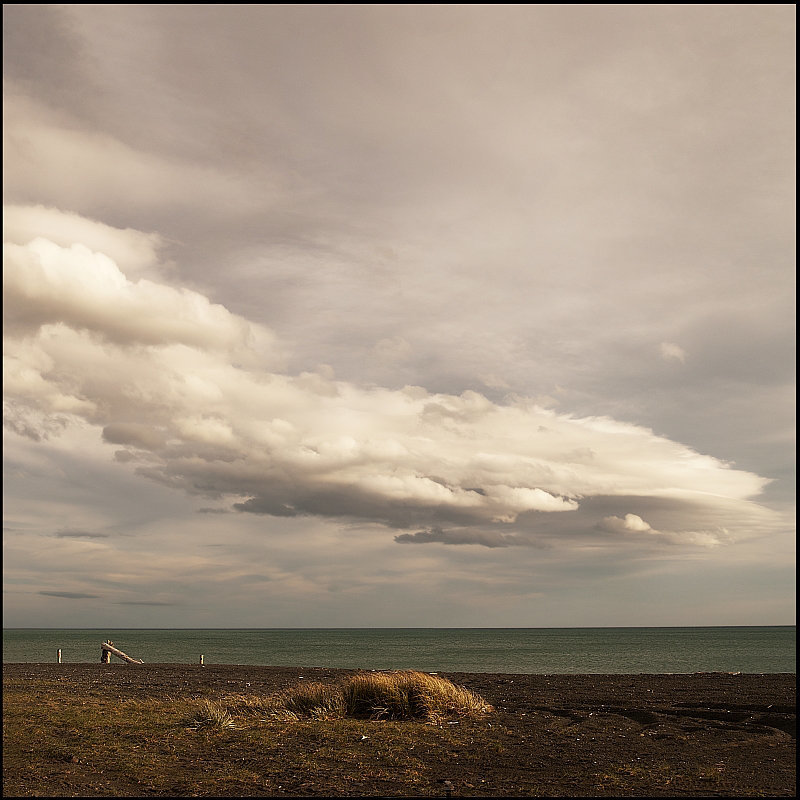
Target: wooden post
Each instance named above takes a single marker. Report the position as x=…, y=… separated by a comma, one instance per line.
x=107, y=648
x=59, y=656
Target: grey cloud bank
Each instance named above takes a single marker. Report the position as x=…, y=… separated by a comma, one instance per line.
x=514, y=280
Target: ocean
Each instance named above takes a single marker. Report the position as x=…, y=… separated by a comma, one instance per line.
x=504, y=650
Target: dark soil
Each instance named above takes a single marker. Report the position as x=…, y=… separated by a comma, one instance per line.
x=122, y=730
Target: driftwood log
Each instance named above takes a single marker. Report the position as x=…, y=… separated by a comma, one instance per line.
x=107, y=649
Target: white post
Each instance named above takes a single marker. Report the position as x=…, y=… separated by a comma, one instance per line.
x=201, y=660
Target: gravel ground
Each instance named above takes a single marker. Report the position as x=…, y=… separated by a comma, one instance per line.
x=703, y=734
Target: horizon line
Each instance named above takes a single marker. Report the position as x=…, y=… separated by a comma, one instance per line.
x=401, y=628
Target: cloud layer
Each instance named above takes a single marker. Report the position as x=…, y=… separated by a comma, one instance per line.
x=494, y=302
x=185, y=389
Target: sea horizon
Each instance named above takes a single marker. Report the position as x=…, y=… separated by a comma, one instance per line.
x=599, y=650
x=390, y=627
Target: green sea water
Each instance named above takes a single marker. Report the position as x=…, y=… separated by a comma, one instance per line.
x=505, y=650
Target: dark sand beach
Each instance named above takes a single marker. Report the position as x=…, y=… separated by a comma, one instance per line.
x=124, y=730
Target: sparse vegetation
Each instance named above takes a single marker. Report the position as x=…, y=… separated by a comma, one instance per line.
x=90, y=730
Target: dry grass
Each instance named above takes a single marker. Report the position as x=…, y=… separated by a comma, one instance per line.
x=308, y=699
x=212, y=715
x=406, y=694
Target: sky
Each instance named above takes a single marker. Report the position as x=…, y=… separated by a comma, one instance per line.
x=398, y=315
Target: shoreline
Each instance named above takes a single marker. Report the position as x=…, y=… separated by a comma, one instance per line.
x=162, y=665
x=442, y=670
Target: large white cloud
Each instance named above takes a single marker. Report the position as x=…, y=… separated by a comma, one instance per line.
x=46, y=283
x=190, y=393
x=134, y=251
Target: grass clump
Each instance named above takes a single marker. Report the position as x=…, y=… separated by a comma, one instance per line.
x=405, y=694
x=212, y=715
x=310, y=699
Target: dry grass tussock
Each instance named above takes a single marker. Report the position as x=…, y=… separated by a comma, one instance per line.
x=406, y=694
x=212, y=715
x=309, y=699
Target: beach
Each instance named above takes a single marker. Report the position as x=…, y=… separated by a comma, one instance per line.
x=125, y=730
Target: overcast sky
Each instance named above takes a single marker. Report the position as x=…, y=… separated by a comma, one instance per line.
x=399, y=315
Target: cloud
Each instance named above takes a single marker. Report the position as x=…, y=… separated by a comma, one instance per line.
x=29, y=423
x=79, y=535
x=142, y=603
x=46, y=283
x=69, y=595
x=135, y=434
x=190, y=391
x=672, y=352
x=134, y=251
x=462, y=536
x=392, y=349
x=493, y=382
x=632, y=523
x=90, y=169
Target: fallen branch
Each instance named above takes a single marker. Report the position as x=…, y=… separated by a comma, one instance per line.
x=107, y=649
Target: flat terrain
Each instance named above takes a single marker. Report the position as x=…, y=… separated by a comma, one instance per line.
x=123, y=730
